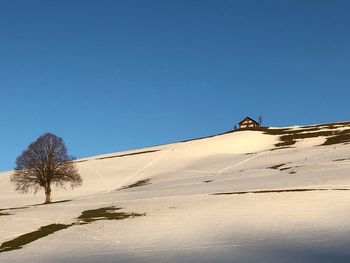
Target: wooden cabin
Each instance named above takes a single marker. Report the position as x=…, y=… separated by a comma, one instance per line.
x=248, y=123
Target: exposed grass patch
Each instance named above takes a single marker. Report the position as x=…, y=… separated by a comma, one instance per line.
x=127, y=154
x=137, y=184
x=330, y=125
x=282, y=191
x=291, y=167
x=288, y=137
x=277, y=166
x=29, y=206
x=341, y=137
x=291, y=137
x=340, y=160
x=81, y=161
x=25, y=239
x=14, y=208
x=105, y=213
x=210, y=136
x=208, y=181
x=55, y=202
x=4, y=214
x=86, y=217
x=281, y=168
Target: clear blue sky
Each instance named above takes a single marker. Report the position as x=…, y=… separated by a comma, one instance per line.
x=114, y=75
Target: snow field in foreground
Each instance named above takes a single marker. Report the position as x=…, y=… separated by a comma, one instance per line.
x=185, y=221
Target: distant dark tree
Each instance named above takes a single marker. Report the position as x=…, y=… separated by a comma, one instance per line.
x=260, y=120
x=45, y=163
x=235, y=127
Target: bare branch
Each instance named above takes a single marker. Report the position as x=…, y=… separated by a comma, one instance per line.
x=43, y=163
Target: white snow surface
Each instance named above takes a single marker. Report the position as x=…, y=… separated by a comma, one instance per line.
x=184, y=221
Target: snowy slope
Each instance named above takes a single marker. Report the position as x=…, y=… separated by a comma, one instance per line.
x=267, y=195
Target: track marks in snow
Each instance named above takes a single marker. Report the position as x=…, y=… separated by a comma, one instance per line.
x=100, y=176
x=268, y=191
x=239, y=163
x=136, y=176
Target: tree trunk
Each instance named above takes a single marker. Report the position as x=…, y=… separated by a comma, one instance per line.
x=47, y=194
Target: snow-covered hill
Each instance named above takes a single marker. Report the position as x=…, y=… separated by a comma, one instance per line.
x=265, y=195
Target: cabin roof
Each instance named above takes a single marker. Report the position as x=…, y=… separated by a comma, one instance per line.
x=248, y=118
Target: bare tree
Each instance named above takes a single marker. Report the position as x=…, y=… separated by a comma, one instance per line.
x=260, y=120
x=45, y=163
